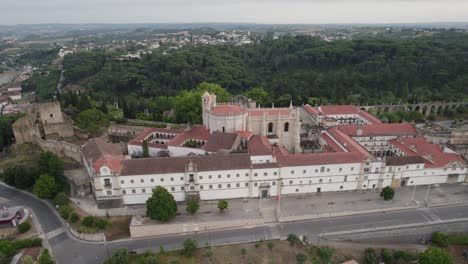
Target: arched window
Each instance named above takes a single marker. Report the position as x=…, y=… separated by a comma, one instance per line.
x=286, y=127
x=270, y=127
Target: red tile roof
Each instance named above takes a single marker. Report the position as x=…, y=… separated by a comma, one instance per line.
x=348, y=143
x=380, y=129
x=311, y=110
x=178, y=164
x=370, y=118
x=219, y=141
x=259, y=146
x=100, y=153
x=136, y=141
x=227, y=110
x=333, y=146
x=432, y=153
x=244, y=134
x=196, y=132
x=338, y=109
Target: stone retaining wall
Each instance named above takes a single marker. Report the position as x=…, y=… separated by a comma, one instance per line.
x=293, y=218
x=88, y=237
x=154, y=228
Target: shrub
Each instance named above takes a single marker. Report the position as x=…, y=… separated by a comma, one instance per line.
x=65, y=212
x=434, y=255
x=222, y=205
x=370, y=257
x=386, y=256
x=243, y=252
x=74, y=217
x=387, y=193
x=24, y=227
x=88, y=221
x=325, y=254
x=150, y=260
x=301, y=258
x=440, y=239
x=61, y=199
x=45, y=258
x=270, y=245
x=192, y=206
x=189, y=247
x=458, y=239
x=9, y=248
x=293, y=239
x=101, y=223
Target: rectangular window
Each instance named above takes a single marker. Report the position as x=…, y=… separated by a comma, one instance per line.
x=209, y=177
x=173, y=189
x=237, y=184
x=200, y=177
x=237, y=175
x=292, y=172
x=322, y=169
x=107, y=182
x=133, y=191
x=273, y=183
x=275, y=173
x=220, y=186
x=352, y=168
x=255, y=184
x=328, y=169
x=192, y=188
x=346, y=178
x=124, y=192
x=152, y=180
x=172, y=179
x=290, y=182
x=316, y=170
x=229, y=185
x=255, y=174
x=109, y=192
x=341, y=187
x=265, y=174
x=182, y=188
x=321, y=180
x=210, y=186
x=162, y=179
x=247, y=174
x=121, y=182
x=246, y=184
x=219, y=176
x=229, y=175
x=143, y=190
x=304, y=172
x=132, y=181
x=142, y=180
x=366, y=169
x=201, y=187
x=340, y=169
x=181, y=178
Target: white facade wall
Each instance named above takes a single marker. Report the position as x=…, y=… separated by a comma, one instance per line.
x=184, y=151
x=227, y=123
x=138, y=150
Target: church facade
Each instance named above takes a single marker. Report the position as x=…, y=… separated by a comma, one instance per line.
x=280, y=125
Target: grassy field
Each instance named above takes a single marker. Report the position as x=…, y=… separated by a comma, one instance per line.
x=22, y=154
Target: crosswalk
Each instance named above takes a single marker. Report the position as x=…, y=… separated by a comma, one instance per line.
x=274, y=231
x=431, y=216
x=55, y=232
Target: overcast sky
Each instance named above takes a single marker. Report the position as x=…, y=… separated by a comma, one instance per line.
x=259, y=11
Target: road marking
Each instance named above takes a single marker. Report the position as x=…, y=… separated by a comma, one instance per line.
x=55, y=233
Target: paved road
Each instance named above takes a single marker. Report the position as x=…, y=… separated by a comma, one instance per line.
x=69, y=250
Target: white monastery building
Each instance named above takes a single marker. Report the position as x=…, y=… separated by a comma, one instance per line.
x=242, y=151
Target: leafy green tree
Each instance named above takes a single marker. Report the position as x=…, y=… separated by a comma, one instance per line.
x=45, y=257
x=61, y=199
x=161, y=205
x=243, y=252
x=387, y=193
x=221, y=94
x=370, y=257
x=293, y=239
x=24, y=227
x=259, y=95
x=6, y=131
x=301, y=258
x=222, y=205
x=284, y=100
x=120, y=256
x=144, y=146
x=150, y=260
x=434, y=255
x=313, y=101
x=192, y=206
x=45, y=187
x=93, y=121
x=189, y=247
x=20, y=176
x=51, y=164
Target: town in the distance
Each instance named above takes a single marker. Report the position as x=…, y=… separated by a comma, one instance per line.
x=224, y=143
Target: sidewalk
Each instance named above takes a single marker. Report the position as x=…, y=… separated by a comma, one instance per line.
x=308, y=206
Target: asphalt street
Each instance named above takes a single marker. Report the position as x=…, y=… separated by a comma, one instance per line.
x=70, y=250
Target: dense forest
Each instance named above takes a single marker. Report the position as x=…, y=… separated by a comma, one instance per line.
x=358, y=71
